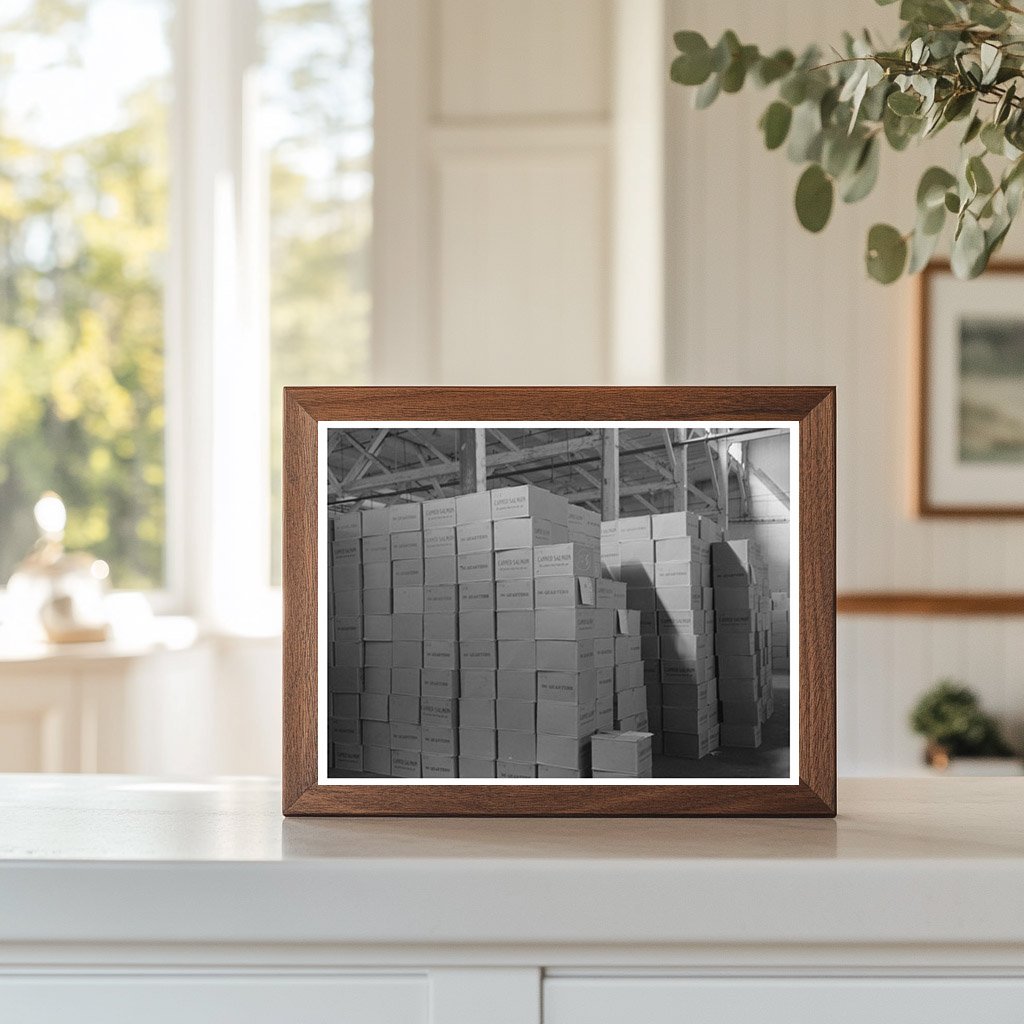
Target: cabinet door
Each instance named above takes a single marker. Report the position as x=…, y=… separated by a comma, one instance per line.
x=575, y=1000
x=205, y=999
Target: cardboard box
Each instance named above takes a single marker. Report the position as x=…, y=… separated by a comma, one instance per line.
x=564, y=560
x=636, y=551
x=473, y=508
x=438, y=512
x=377, y=549
x=627, y=649
x=377, y=576
x=567, y=687
x=736, y=643
x=345, y=678
x=739, y=666
x=349, y=576
x=732, y=563
x=527, y=500
x=406, y=546
x=376, y=680
x=374, y=707
x=476, y=768
x=634, y=528
x=348, y=757
x=550, y=771
x=604, y=651
x=560, y=718
x=376, y=734
x=408, y=572
x=405, y=764
x=408, y=654
x=710, y=530
x=514, y=564
x=689, y=620
x=406, y=628
x=520, y=747
x=513, y=684
x=733, y=735
x=406, y=517
x=441, y=712
x=563, y=752
x=737, y=689
x=516, y=625
x=376, y=760
x=584, y=521
x=473, y=537
x=479, y=683
x=404, y=708
x=630, y=704
x=675, y=524
x=440, y=654
x=441, y=599
x=643, y=599
x=436, y=682
x=440, y=571
x=693, y=720
x=374, y=655
x=735, y=599
x=438, y=542
x=611, y=593
x=479, y=743
x=680, y=549
x=627, y=622
x=513, y=770
x=405, y=736
x=564, y=655
x=676, y=574
x=637, y=574
x=440, y=627
x=565, y=623
x=514, y=595
x=407, y=600
x=686, y=695
x=604, y=682
x=437, y=766
x=475, y=597
x=610, y=532
x=476, y=713
x=348, y=602
x=629, y=676
x=740, y=712
x=348, y=629
x=517, y=654
x=629, y=753
x=522, y=533
x=477, y=626
x=516, y=715
x=478, y=654
x=346, y=525
x=476, y=567
x=564, y=592
x=377, y=602
x=375, y=521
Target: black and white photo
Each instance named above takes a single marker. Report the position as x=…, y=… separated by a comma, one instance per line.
x=512, y=602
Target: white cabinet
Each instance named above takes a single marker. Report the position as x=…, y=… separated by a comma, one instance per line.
x=827, y=1000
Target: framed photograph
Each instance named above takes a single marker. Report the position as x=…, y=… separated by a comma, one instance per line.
x=970, y=445
x=559, y=601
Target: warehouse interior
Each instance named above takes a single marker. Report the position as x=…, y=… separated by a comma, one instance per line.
x=736, y=477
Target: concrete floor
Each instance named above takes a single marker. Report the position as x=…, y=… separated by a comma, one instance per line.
x=769, y=761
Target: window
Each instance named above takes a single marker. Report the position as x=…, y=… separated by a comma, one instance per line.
x=317, y=111
x=83, y=236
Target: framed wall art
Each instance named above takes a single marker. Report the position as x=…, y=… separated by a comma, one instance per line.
x=559, y=601
x=970, y=423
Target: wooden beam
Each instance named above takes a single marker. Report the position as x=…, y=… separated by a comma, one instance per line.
x=929, y=603
x=472, y=460
x=723, y=483
x=610, y=474
x=777, y=492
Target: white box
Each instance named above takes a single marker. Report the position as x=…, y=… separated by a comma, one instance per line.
x=376, y=680
x=522, y=533
x=478, y=654
x=564, y=560
x=475, y=597
x=440, y=626
x=473, y=568
x=633, y=551
x=405, y=764
x=377, y=549
x=476, y=768
x=675, y=524
x=407, y=627
x=377, y=576
x=563, y=751
x=676, y=574
x=740, y=735
x=377, y=627
x=375, y=521
x=439, y=542
x=561, y=718
x=346, y=525
x=634, y=528
x=565, y=623
x=374, y=655
x=440, y=571
x=567, y=687
x=405, y=736
x=517, y=625
x=478, y=625
x=476, y=713
x=471, y=537
x=374, y=707
x=406, y=545
x=439, y=682
x=611, y=593
x=473, y=508
x=520, y=747
x=517, y=654
x=516, y=684
x=514, y=595
x=405, y=518
x=408, y=572
x=478, y=683
x=377, y=760
x=408, y=654
x=514, y=563
x=406, y=681
x=440, y=654
x=627, y=752
x=437, y=766
x=404, y=708
x=516, y=715
x=438, y=512
x=564, y=592
x=404, y=600
x=527, y=500
x=514, y=770
x=440, y=712
x=565, y=655
x=481, y=743
x=441, y=598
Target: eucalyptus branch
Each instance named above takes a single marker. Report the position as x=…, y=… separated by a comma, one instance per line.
x=955, y=61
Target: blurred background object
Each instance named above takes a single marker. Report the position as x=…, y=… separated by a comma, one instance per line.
x=204, y=200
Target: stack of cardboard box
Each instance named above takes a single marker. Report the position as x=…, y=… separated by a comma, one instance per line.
x=622, y=755
x=742, y=641
x=780, y=631
x=666, y=564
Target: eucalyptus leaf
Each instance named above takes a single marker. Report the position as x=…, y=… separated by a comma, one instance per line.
x=865, y=173
x=814, y=196
x=775, y=123
x=904, y=103
x=886, y=253
x=805, y=133
x=968, y=247
x=922, y=248
x=707, y=93
x=978, y=176
x=993, y=138
x=931, y=190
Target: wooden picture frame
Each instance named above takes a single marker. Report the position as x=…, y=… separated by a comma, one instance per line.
x=809, y=791
x=935, y=475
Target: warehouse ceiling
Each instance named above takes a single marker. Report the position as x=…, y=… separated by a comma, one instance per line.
x=375, y=466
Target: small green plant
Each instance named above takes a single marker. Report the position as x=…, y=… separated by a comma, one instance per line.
x=950, y=717
x=956, y=61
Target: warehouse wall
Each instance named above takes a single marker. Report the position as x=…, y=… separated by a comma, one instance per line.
x=752, y=299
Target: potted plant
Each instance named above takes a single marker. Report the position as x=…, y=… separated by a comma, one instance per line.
x=950, y=718
x=956, y=62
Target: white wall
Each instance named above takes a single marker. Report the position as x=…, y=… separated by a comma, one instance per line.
x=753, y=299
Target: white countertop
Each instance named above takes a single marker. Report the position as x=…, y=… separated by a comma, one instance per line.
x=119, y=859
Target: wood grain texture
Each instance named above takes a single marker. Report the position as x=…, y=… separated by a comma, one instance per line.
x=923, y=504
x=925, y=603
x=812, y=407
